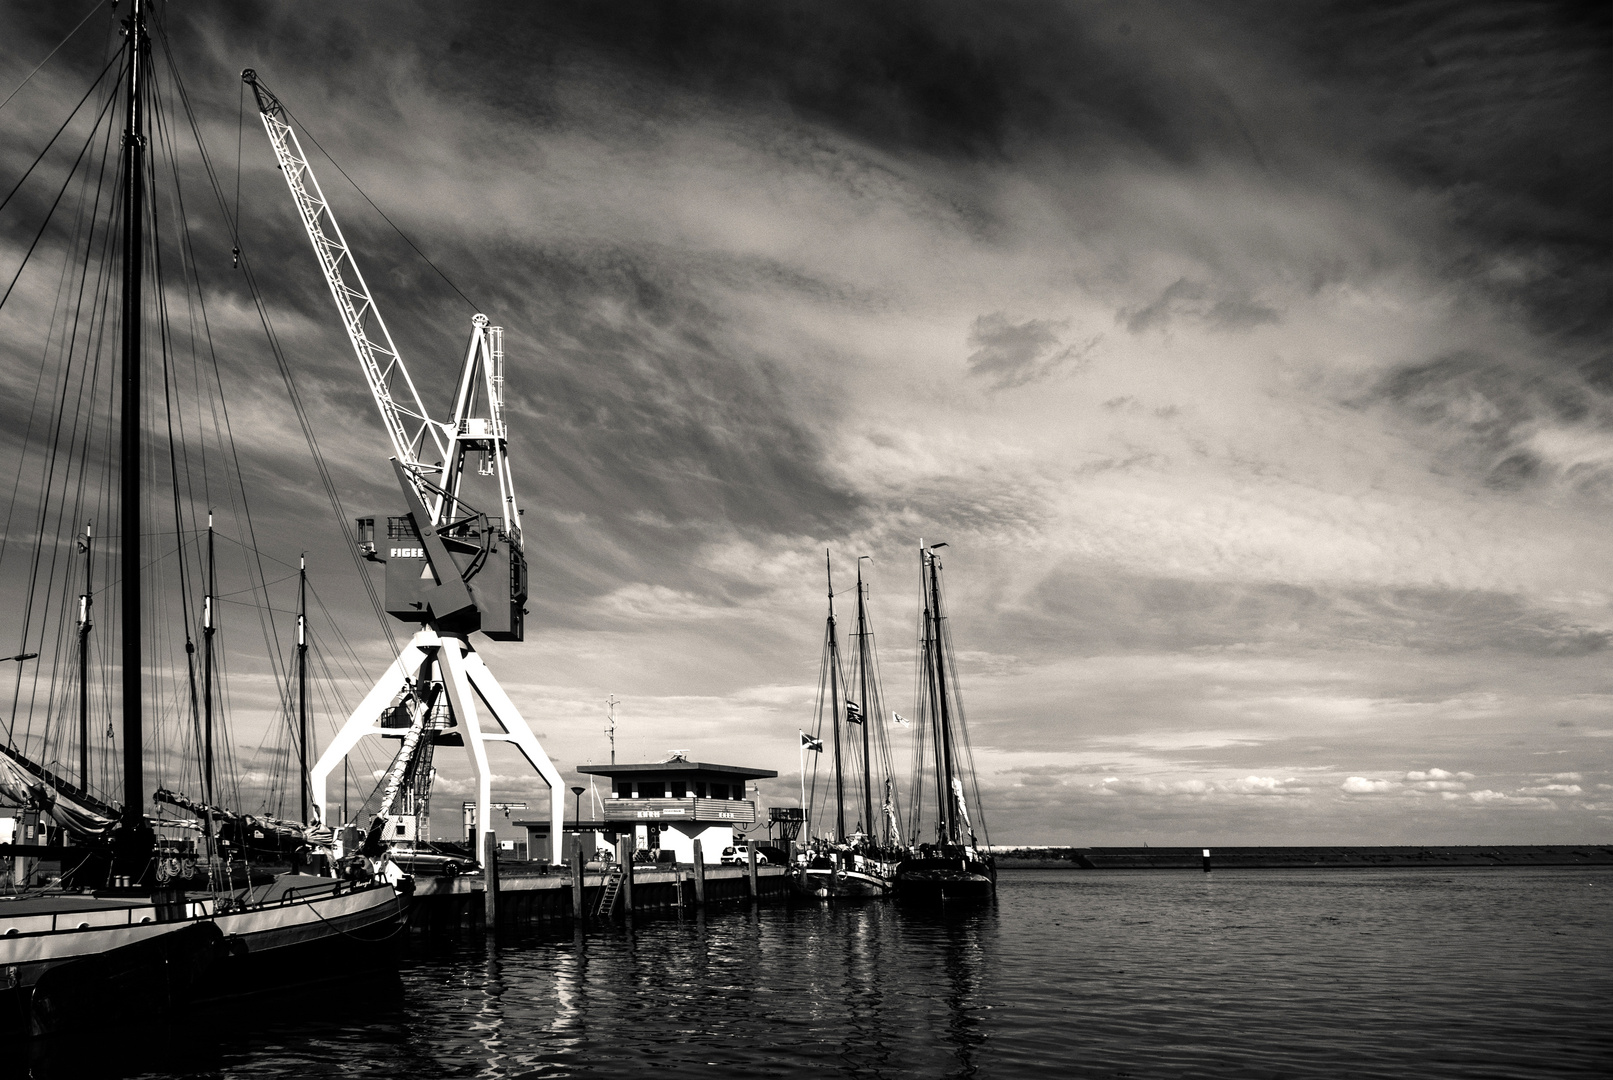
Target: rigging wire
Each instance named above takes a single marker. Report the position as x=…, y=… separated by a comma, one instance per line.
x=46, y=223
x=290, y=116
x=56, y=426
x=41, y=155
x=87, y=15
x=286, y=374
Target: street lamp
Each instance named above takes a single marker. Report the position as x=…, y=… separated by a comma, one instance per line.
x=577, y=812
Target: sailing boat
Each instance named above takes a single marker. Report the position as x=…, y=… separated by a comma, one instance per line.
x=113, y=941
x=954, y=866
x=855, y=863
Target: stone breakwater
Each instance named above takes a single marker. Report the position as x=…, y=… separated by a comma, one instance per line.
x=1437, y=857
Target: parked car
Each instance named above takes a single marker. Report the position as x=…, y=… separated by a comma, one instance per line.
x=421, y=858
x=740, y=853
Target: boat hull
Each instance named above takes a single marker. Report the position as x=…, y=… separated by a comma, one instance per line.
x=945, y=880
x=134, y=985
x=295, y=936
x=825, y=884
x=296, y=931
x=41, y=934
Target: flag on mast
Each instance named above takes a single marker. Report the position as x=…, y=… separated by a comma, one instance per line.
x=900, y=719
x=854, y=713
x=810, y=743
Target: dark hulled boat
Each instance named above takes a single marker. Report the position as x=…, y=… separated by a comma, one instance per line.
x=857, y=863
x=955, y=866
x=133, y=929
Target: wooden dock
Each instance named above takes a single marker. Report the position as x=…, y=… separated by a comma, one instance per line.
x=527, y=893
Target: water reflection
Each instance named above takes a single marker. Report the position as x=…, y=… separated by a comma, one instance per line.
x=1072, y=975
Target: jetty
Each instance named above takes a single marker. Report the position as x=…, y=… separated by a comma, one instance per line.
x=526, y=894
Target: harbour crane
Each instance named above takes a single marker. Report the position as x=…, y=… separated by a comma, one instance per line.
x=450, y=568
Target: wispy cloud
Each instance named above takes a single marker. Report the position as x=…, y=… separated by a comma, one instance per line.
x=1263, y=400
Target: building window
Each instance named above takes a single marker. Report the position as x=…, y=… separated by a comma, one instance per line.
x=624, y=789
x=700, y=789
x=680, y=790
x=655, y=789
x=719, y=791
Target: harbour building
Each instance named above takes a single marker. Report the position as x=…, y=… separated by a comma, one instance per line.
x=668, y=805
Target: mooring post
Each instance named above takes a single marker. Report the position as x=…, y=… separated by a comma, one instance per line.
x=490, y=870
x=699, y=875
x=578, y=912
x=1206, y=860
x=627, y=871
x=750, y=858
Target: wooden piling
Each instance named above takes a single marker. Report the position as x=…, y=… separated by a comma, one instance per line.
x=699, y=875
x=490, y=870
x=626, y=848
x=578, y=912
x=750, y=858
x=1206, y=860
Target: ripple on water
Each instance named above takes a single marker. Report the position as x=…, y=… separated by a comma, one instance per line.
x=1071, y=973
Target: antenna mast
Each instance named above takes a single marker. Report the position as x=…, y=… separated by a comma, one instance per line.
x=611, y=730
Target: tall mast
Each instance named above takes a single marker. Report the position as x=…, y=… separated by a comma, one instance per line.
x=207, y=670
x=134, y=174
x=834, y=706
x=863, y=655
x=611, y=731
x=84, y=602
x=932, y=714
x=944, y=714
x=302, y=680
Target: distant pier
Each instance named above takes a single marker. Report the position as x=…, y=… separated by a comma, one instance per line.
x=1432, y=856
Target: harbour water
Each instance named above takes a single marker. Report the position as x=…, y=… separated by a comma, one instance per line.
x=1367, y=973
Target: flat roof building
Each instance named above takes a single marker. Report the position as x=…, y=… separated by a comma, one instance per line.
x=668, y=805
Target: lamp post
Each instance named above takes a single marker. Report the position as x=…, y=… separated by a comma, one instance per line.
x=577, y=812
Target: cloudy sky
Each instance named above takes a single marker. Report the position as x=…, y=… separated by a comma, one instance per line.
x=1252, y=360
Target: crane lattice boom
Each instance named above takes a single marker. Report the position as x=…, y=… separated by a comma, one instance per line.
x=407, y=422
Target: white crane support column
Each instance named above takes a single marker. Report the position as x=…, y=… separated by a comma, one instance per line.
x=467, y=680
x=365, y=719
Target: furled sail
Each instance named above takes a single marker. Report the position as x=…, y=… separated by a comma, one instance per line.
x=32, y=785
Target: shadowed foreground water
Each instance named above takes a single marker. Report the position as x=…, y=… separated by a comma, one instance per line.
x=1385, y=973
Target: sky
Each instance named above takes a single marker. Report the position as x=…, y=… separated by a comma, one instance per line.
x=1252, y=360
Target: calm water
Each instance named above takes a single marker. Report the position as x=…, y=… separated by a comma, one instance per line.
x=1253, y=973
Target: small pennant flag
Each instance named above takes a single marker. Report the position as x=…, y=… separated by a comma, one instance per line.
x=854, y=713
x=810, y=743
x=900, y=719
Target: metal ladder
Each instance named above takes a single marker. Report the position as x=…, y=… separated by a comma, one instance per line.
x=608, y=895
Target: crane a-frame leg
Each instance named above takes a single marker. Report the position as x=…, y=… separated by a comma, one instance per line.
x=471, y=689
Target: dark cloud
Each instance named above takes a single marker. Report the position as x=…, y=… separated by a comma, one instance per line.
x=1126, y=613
x=1512, y=423
x=1013, y=354
x=1193, y=299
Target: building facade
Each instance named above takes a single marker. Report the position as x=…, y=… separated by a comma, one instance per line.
x=668, y=805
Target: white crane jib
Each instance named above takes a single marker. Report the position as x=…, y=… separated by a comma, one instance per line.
x=408, y=424
x=450, y=568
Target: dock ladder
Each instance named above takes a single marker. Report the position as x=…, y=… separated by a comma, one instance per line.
x=608, y=894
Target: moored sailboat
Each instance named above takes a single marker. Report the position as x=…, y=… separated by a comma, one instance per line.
x=954, y=866
x=855, y=863
x=126, y=932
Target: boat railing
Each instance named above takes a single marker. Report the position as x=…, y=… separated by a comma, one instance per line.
x=297, y=892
